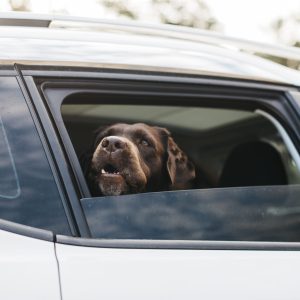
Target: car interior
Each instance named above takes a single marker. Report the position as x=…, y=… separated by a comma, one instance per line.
x=229, y=147
x=246, y=175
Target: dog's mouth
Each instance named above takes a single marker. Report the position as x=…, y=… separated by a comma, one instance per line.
x=118, y=174
x=110, y=170
x=111, y=181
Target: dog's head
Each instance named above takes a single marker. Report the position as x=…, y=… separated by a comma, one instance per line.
x=137, y=158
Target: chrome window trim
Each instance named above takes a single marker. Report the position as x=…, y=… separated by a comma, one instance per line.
x=178, y=244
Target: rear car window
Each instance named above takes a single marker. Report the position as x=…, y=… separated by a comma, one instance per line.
x=229, y=147
x=225, y=162
x=28, y=191
x=247, y=176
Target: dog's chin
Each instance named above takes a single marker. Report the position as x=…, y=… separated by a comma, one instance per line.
x=113, y=184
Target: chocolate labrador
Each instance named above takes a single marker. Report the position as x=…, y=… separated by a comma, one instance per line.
x=134, y=158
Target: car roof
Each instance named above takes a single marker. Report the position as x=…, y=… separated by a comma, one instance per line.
x=68, y=41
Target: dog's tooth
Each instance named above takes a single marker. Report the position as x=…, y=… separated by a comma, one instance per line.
x=102, y=171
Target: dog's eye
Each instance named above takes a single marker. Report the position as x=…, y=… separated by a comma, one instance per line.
x=144, y=142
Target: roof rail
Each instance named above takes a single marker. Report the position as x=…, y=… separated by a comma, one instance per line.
x=24, y=19
x=163, y=30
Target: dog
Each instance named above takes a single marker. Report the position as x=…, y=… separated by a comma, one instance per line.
x=136, y=158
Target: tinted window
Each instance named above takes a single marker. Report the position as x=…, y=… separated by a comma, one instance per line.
x=9, y=181
x=228, y=214
x=28, y=192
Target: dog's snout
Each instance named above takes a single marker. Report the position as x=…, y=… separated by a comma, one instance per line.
x=112, y=144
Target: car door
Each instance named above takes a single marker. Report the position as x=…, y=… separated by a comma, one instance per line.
x=212, y=242
x=152, y=256
x=28, y=263
x=106, y=271
x=28, y=193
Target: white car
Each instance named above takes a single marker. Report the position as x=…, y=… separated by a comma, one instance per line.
x=236, y=235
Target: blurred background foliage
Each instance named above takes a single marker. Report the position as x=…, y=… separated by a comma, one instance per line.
x=20, y=5
x=177, y=12
x=287, y=31
x=194, y=13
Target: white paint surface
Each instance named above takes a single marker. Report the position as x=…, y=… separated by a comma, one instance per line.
x=28, y=268
x=94, y=273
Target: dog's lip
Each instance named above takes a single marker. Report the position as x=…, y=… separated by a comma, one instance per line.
x=110, y=171
x=116, y=175
x=111, y=175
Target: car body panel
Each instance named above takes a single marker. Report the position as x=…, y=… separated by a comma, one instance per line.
x=43, y=46
x=28, y=268
x=177, y=274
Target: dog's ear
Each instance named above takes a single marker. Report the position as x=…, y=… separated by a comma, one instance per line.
x=180, y=169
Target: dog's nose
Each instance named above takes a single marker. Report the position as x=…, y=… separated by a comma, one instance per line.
x=112, y=144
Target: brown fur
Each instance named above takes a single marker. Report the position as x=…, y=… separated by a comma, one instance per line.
x=134, y=158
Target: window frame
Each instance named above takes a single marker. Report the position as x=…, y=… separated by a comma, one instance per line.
x=272, y=98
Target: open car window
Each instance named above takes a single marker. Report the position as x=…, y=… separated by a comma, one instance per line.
x=228, y=147
x=246, y=182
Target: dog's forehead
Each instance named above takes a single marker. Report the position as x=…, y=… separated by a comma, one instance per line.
x=133, y=130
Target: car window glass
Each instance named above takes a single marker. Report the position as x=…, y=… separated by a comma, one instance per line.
x=28, y=192
x=227, y=214
x=9, y=181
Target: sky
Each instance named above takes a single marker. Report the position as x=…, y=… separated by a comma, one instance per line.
x=248, y=19
x=251, y=19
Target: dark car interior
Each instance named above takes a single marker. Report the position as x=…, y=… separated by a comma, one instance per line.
x=229, y=147
x=246, y=176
